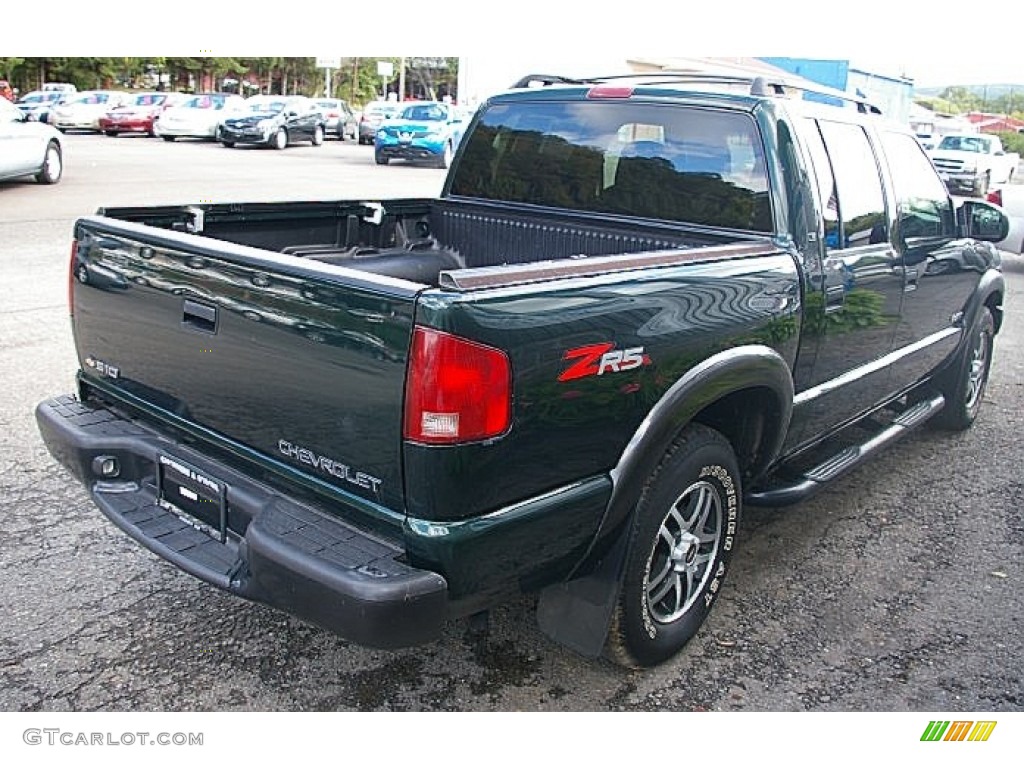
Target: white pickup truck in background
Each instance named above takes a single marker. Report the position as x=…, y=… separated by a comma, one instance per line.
x=970, y=163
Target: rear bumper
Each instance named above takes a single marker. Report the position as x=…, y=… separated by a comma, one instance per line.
x=270, y=548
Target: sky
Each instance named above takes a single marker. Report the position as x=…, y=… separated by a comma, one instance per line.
x=890, y=37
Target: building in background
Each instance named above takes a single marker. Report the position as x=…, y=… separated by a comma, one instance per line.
x=893, y=94
x=986, y=122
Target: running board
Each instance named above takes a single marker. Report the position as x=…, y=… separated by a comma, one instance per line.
x=814, y=479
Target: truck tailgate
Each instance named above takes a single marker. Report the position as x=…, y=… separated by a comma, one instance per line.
x=299, y=361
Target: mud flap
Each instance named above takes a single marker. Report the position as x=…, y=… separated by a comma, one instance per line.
x=578, y=612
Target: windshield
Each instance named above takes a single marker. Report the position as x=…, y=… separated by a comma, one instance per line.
x=667, y=162
x=425, y=112
x=966, y=143
x=205, y=101
x=380, y=109
x=91, y=98
x=149, y=99
x=39, y=97
x=265, y=105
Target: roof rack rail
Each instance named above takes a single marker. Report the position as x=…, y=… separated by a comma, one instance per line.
x=760, y=85
x=545, y=80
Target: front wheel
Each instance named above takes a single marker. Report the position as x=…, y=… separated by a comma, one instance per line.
x=318, y=136
x=682, y=538
x=53, y=165
x=963, y=385
x=380, y=158
x=279, y=139
x=984, y=184
x=445, y=160
x=167, y=138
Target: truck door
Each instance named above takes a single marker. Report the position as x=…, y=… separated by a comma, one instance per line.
x=940, y=272
x=853, y=311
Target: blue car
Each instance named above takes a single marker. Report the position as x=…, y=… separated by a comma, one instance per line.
x=427, y=131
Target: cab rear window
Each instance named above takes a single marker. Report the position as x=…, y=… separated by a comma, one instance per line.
x=685, y=164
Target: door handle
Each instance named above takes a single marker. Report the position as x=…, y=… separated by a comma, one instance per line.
x=199, y=317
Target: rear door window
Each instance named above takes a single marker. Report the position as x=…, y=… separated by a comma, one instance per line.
x=858, y=183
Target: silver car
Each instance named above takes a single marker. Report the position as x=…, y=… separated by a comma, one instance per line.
x=28, y=148
x=83, y=110
x=339, y=118
x=198, y=116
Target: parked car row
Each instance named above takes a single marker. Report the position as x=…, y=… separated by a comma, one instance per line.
x=418, y=131
x=276, y=121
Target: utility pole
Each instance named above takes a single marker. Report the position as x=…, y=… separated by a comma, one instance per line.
x=401, y=79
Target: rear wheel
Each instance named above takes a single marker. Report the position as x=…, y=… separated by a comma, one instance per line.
x=167, y=138
x=963, y=385
x=111, y=133
x=53, y=165
x=682, y=538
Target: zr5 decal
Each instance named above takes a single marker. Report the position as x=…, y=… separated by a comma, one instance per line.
x=599, y=359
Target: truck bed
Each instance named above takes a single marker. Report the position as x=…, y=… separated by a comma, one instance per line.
x=418, y=240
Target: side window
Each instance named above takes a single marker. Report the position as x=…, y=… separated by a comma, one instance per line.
x=925, y=208
x=861, y=200
x=826, y=182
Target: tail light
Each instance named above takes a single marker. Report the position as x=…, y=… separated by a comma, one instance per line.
x=995, y=196
x=457, y=391
x=71, y=277
x=610, y=92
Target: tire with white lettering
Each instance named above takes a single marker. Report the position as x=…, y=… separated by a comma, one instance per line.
x=682, y=538
x=963, y=385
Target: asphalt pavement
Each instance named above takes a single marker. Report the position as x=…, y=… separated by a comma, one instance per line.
x=897, y=589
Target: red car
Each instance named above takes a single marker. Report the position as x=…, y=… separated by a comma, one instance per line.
x=139, y=114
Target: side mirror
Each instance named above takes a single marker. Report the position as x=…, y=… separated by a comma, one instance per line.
x=983, y=221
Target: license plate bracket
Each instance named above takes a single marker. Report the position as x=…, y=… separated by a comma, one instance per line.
x=197, y=498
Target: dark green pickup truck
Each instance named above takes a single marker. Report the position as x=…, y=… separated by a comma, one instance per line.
x=639, y=304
